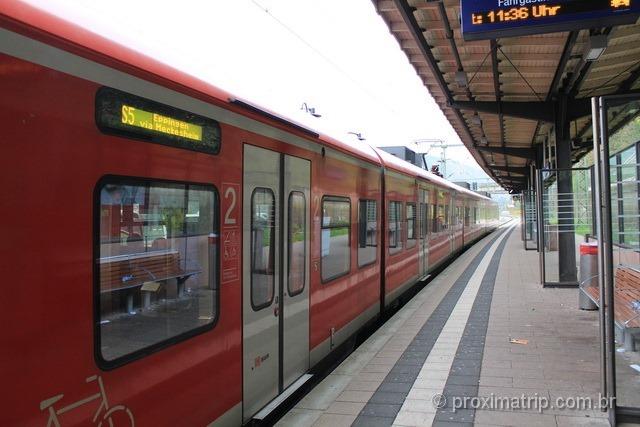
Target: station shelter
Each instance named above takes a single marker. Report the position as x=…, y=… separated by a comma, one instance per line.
x=546, y=97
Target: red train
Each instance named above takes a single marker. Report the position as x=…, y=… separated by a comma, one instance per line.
x=176, y=256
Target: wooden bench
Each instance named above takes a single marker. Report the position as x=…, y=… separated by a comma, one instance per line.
x=135, y=272
x=626, y=303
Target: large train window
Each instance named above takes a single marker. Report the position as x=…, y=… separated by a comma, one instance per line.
x=336, y=234
x=296, y=241
x=156, y=265
x=263, y=205
x=367, y=232
x=395, y=227
x=411, y=225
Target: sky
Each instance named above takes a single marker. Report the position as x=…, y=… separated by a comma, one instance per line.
x=336, y=56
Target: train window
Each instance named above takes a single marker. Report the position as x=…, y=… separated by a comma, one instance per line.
x=336, y=234
x=475, y=215
x=296, y=241
x=435, y=221
x=156, y=267
x=411, y=225
x=467, y=216
x=367, y=232
x=262, y=247
x=395, y=227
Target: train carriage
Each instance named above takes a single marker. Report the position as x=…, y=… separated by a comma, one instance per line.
x=178, y=256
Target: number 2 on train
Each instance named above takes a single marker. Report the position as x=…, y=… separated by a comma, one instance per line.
x=229, y=217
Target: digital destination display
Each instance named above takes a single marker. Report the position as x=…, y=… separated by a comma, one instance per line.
x=487, y=19
x=131, y=116
x=159, y=123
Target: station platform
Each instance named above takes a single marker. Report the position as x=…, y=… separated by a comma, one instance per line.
x=482, y=344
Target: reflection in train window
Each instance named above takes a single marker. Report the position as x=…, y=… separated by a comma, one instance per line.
x=156, y=266
x=395, y=227
x=336, y=233
x=411, y=225
x=367, y=232
x=296, y=241
x=262, y=249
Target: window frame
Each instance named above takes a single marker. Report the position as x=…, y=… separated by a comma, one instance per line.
x=394, y=250
x=414, y=219
x=333, y=198
x=375, y=259
x=257, y=308
x=304, y=264
x=101, y=362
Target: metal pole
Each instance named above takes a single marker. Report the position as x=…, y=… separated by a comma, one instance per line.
x=539, y=215
x=606, y=297
x=598, y=232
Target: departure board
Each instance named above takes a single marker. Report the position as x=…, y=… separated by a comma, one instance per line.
x=131, y=116
x=487, y=19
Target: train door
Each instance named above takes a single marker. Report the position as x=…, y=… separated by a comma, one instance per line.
x=275, y=275
x=423, y=197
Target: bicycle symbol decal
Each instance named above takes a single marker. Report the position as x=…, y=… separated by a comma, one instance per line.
x=104, y=414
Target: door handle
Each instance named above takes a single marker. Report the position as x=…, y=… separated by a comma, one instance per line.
x=276, y=310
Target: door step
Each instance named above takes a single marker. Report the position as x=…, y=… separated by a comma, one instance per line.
x=423, y=278
x=281, y=398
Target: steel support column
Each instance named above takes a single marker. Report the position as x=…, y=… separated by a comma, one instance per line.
x=566, y=238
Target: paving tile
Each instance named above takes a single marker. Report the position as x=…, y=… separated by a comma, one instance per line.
x=372, y=421
x=487, y=380
x=345, y=408
x=334, y=420
x=567, y=421
x=419, y=405
x=388, y=397
x=382, y=410
x=299, y=418
x=357, y=385
x=519, y=419
x=414, y=419
x=354, y=396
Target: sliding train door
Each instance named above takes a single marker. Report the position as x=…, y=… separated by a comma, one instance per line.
x=275, y=274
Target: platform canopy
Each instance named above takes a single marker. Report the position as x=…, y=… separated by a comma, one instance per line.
x=506, y=96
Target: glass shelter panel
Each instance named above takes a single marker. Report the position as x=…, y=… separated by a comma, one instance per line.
x=567, y=221
x=530, y=219
x=622, y=277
